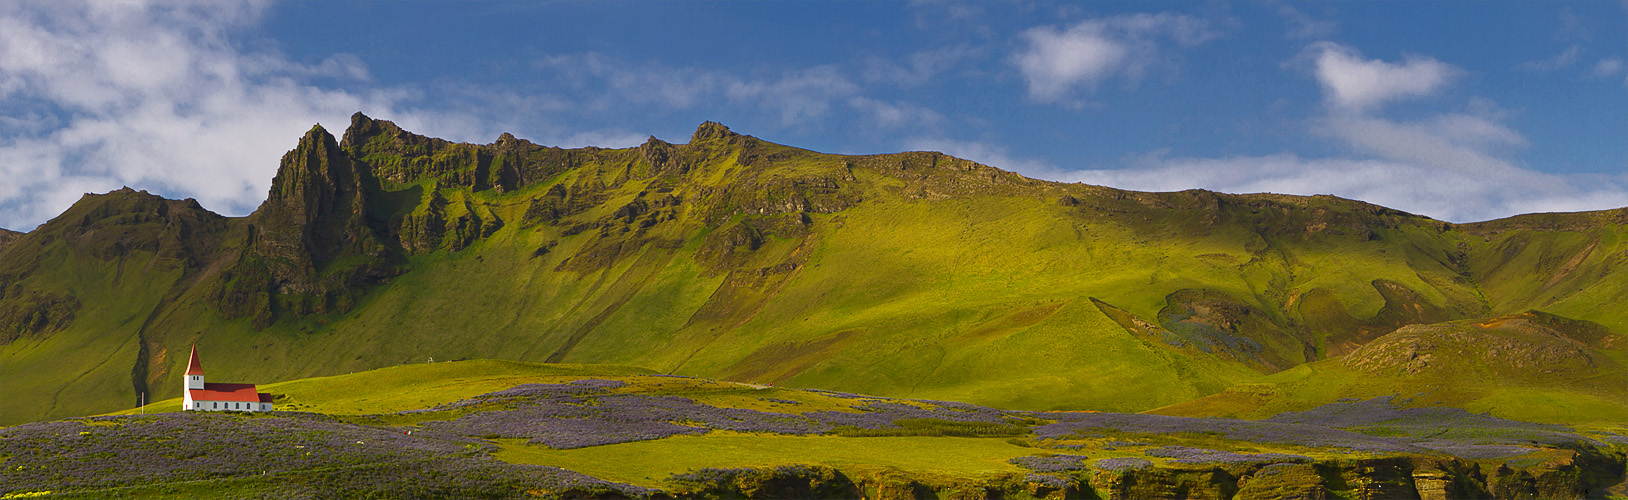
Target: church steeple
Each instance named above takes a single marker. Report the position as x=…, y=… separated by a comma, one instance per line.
x=194, y=377
x=194, y=367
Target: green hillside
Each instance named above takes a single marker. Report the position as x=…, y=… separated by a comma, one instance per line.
x=1533, y=367
x=908, y=275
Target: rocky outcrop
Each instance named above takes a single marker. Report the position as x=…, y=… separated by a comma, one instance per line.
x=709, y=131
x=310, y=248
x=659, y=157
x=776, y=196
x=397, y=156
x=1217, y=323
x=791, y=481
x=321, y=198
x=1510, y=346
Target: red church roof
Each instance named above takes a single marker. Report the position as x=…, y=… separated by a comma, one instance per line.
x=230, y=392
x=194, y=367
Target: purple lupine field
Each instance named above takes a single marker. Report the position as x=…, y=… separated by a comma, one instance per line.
x=312, y=455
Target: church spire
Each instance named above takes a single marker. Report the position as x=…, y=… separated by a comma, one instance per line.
x=194, y=367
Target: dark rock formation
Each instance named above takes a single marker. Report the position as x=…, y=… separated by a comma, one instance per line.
x=295, y=246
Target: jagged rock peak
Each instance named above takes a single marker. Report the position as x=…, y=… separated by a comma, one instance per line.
x=314, y=179
x=316, y=133
x=317, y=137
x=657, y=152
x=360, y=125
x=506, y=138
x=711, y=130
x=362, y=128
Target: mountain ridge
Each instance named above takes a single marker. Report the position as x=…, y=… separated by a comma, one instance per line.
x=912, y=274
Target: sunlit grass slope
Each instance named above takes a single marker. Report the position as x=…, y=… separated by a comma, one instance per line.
x=647, y=463
x=1531, y=367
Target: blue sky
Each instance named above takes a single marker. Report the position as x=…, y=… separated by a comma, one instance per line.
x=1457, y=110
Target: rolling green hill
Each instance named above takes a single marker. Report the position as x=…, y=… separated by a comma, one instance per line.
x=1531, y=366
x=910, y=275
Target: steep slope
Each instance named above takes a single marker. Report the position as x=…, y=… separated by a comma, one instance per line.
x=1531, y=366
x=912, y=274
x=310, y=248
x=1567, y=264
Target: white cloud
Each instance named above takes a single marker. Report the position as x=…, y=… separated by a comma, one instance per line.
x=1355, y=83
x=1453, y=141
x=1055, y=61
x=1607, y=67
x=98, y=95
x=1563, y=60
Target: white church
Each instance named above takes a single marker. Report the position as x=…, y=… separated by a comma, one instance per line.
x=200, y=396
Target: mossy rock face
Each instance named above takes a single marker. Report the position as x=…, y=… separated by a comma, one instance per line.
x=1507, y=483
x=895, y=485
x=791, y=481
x=1585, y=473
x=310, y=248
x=1156, y=482
x=1217, y=323
x=1371, y=479
x=1444, y=480
x=545, y=210
x=1283, y=482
